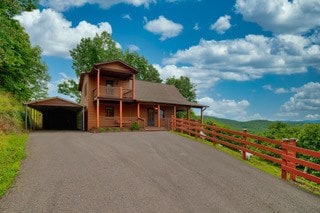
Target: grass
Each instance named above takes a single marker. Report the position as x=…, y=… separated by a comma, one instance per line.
x=12, y=151
x=261, y=164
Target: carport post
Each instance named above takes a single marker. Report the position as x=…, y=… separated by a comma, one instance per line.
x=83, y=118
x=26, y=117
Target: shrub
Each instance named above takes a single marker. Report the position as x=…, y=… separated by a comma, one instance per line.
x=135, y=126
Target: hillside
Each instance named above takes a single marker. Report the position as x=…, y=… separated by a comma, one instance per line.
x=253, y=126
x=11, y=114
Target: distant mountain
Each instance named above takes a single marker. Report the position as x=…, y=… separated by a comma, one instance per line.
x=253, y=126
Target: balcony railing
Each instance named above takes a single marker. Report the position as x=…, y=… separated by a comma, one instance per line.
x=113, y=92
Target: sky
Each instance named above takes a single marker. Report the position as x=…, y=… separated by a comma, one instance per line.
x=249, y=59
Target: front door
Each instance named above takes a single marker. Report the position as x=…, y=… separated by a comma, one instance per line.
x=150, y=117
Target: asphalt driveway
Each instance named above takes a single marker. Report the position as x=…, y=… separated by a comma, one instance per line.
x=143, y=172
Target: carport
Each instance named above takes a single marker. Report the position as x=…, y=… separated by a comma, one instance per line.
x=56, y=113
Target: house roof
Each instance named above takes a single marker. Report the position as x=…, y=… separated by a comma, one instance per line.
x=161, y=93
x=53, y=102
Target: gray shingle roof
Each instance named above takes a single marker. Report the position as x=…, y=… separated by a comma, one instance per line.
x=161, y=93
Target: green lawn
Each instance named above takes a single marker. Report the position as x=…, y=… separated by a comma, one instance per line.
x=12, y=151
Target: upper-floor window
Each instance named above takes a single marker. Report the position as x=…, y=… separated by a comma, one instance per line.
x=110, y=89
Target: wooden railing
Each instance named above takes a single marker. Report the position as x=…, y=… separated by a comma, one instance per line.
x=113, y=92
x=282, y=152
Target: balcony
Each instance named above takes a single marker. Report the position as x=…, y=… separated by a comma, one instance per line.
x=113, y=92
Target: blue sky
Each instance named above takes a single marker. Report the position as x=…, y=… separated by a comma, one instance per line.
x=250, y=59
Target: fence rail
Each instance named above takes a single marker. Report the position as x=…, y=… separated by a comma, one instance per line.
x=282, y=152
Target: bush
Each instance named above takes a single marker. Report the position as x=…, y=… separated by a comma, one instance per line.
x=135, y=126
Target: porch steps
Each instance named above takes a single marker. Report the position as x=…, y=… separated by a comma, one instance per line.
x=153, y=128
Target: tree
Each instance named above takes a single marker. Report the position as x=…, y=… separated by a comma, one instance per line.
x=147, y=72
x=22, y=73
x=185, y=87
x=99, y=49
x=279, y=130
x=309, y=137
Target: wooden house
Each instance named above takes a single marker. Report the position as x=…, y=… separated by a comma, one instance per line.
x=114, y=98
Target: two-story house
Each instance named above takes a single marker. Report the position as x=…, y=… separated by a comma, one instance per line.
x=114, y=98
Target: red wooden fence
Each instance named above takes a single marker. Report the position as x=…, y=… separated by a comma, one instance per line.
x=282, y=152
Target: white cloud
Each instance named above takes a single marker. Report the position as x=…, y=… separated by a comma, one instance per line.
x=196, y=27
x=312, y=117
x=228, y=109
x=305, y=102
x=276, y=90
x=62, y=5
x=164, y=27
x=281, y=16
x=54, y=34
x=127, y=16
x=222, y=24
x=249, y=58
x=281, y=91
x=267, y=87
x=133, y=48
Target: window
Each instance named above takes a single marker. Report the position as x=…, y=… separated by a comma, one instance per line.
x=109, y=111
x=161, y=113
x=110, y=90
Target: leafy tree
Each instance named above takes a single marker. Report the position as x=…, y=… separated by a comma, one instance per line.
x=309, y=137
x=147, y=72
x=99, y=49
x=91, y=51
x=11, y=8
x=185, y=87
x=280, y=130
x=22, y=73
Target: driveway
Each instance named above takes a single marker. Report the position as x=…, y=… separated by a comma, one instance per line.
x=143, y=172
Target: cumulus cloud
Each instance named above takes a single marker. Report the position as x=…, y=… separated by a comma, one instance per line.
x=127, y=16
x=222, y=24
x=280, y=90
x=305, y=103
x=196, y=27
x=249, y=58
x=62, y=5
x=228, y=109
x=133, y=48
x=281, y=16
x=164, y=27
x=54, y=34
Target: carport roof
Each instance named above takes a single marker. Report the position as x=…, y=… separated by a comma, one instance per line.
x=53, y=102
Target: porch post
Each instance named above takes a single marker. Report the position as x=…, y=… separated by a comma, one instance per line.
x=175, y=111
x=138, y=110
x=201, y=115
x=188, y=113
x=98, y=83
x=120, y=110
x=159, y=124
x=133, y=86
x=98, y=113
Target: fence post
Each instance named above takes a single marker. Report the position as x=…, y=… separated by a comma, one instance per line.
x=244, y=138
x=284, y=161
x=172, y=123
x=292, y=153
x=214, y=134
x=188, y=127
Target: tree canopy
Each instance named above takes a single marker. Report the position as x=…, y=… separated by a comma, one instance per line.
x=22, y=73
x=185, y=87
x=99, y=49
